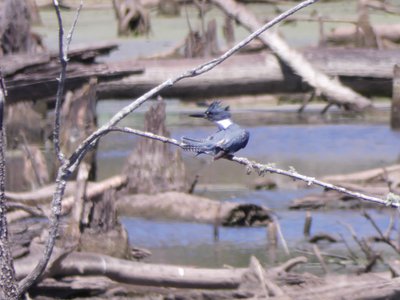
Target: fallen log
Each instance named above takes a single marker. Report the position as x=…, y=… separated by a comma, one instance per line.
x=348, y=34
x=187, y=207
x=34, y=77
x=368, y=71
x=233, y=283
x=124, y=271
x=44, y=194
x=334, y=91
x=377, y=174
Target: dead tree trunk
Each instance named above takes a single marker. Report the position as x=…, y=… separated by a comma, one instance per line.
x=153, y=167
x=335, y=92
x=132, y=17
x=395, y=112
x=15, y=28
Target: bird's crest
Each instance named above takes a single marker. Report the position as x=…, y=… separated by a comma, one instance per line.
x=216, y=106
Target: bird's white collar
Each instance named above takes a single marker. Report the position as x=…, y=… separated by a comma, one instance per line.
x=224, y=124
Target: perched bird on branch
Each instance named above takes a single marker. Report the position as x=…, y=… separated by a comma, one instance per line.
x=227, y=140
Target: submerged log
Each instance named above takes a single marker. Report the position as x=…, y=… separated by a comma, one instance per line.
x=185, y=207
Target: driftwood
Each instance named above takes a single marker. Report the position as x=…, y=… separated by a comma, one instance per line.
x=124, y=271
x=185, y=207
x=348, y=34
x=233, y=283
x=35, y=76
x=366, y=70
x=334, y=91
x=44, y=194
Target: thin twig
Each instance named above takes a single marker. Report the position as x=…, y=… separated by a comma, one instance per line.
x=384, y=238
x=63, y=57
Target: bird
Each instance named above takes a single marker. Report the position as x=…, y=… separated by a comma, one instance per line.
x=229, y=138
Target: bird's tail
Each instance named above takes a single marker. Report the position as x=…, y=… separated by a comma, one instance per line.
x=193, y=145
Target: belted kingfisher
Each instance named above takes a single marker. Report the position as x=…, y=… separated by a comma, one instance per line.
x=227, y=140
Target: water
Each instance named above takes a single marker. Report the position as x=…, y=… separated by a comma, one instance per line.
x=315, y=149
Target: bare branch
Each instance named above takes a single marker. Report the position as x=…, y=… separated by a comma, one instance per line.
x=63, y=57
x=8, y=283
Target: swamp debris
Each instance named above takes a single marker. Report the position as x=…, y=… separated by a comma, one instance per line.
x=333, y=91
x=34, y=77
x=186, y=207
x=201, y=283
x=367, y=71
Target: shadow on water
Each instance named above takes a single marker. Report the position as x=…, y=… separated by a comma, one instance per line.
x=314, y=148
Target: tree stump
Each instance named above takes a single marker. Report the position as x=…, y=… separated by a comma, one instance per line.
x=132, y=17
x=395, y=111
x=153, y=167
x=78, y=118
x=15, y=28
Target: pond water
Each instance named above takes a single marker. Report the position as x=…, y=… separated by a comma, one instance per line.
x=313, y=145
x=321, y=148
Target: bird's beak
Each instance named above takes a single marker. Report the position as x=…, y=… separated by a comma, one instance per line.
x=197, y=115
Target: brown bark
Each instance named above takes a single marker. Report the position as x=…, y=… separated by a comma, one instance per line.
x=334, y=91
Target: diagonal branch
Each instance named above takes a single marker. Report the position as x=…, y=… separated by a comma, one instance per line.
x=265, y=168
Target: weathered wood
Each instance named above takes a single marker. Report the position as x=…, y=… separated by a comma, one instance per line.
x=44, y=195
x=245, y=282
x=367, y=71
x=132, y=17
x=40, y=85
x=155, y=167
x=333, y=91
x=185, y=207
x=15, y=28
x=85, y=263
x=347, y=35
x=395, y=110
